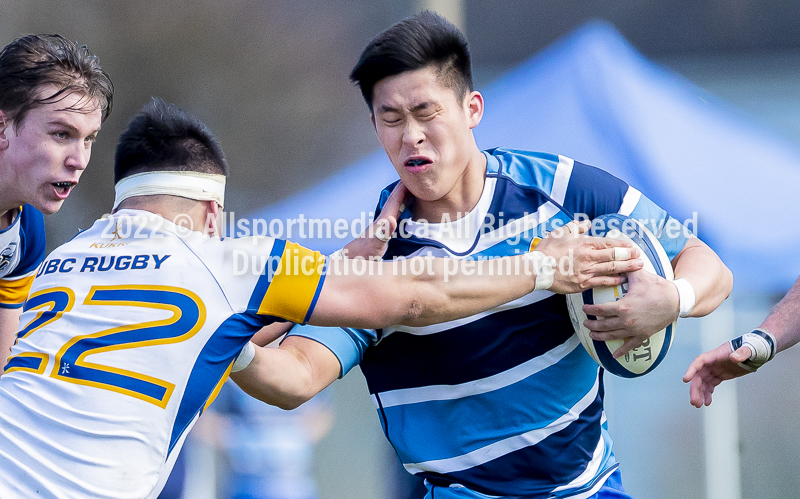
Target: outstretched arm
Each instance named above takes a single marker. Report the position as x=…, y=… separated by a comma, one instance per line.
x=422, y=291
x=711, y=368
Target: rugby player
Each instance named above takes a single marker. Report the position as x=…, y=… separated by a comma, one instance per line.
x=518, y=412
x=53, y=99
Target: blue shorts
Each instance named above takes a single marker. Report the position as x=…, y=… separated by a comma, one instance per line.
x=611, y=489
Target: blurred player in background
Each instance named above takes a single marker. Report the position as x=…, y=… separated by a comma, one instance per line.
x=505, y=404
x=53, y=98
x=745, y=354
x=132, y=326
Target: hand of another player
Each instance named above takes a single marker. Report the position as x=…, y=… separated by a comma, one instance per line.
x=650, y=305
x=710, y=369
x=583, y=262
x=372, y=243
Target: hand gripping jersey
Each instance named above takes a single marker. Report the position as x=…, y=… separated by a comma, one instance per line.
x=506, y=403
x=128, y=334
x=22, y=246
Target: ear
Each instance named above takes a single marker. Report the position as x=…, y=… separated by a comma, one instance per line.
x=212, y=219
x=474, y=108
x=4, y=130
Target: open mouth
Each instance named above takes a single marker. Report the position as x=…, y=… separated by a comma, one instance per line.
x=63, y=188
x=417, y=164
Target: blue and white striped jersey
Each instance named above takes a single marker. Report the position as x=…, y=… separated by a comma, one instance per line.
x=506, y=402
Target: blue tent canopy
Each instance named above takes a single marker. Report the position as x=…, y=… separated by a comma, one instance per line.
x=593, y=97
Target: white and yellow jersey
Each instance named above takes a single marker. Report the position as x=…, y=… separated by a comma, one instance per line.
x=128, y=333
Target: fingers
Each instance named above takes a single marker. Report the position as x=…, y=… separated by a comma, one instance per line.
x=396, y=202
x=384, y=229
x=627, y=346
x=693, y=368
x=700, y=392
x=617, y=267
x=601, y=326
x=615, y=254
x=605, y=242
x=601, y=282
x=610, y=309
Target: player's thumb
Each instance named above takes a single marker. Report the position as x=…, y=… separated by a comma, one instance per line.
x=741, y=354
x=396, y=202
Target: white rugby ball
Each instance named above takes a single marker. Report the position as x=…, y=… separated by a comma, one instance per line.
x=646, y=357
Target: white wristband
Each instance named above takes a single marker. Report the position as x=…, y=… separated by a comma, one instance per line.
x=245, y=357
x=686, y=296
x=338, y=255
x=543, y=267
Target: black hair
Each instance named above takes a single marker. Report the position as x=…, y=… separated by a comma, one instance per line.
x=163, y=137
x=422, y=40
x=29, y=62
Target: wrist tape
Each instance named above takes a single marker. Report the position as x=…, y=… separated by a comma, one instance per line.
x=543, y=266
x=762, y=345
x=245, y=357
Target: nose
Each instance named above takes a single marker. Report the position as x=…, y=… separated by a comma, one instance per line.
x=413, y=135
x=78, y=155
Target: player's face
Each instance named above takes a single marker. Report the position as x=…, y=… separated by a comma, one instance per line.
x=426, y=130
x=43, y=158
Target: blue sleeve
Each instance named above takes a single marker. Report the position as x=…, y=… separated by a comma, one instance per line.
x=672, y=234
x=593, y=192
x=347, y=344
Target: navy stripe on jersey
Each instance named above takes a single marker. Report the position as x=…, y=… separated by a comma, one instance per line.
x=32, y=241
x=585, y=196
x=573, y=444
x=512, y=201
x=217, y=355
x=467, y=352
x=528, y=404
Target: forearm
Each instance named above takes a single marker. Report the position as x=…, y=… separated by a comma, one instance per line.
x=268, y=334
x=784, y=320
x=288, y=376
x=710, y=278
x=457, y=288
x=275, y=377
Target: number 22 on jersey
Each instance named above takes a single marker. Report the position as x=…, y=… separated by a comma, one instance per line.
x=188, y=316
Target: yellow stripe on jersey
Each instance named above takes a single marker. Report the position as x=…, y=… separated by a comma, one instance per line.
x=14, y=291
x=293, y=287
x=216, y=390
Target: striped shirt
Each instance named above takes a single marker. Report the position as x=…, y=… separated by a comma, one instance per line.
x=506, y=402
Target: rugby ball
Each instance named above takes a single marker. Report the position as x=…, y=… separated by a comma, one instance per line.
x=648, y=356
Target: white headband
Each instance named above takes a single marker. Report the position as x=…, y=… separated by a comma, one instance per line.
x=192, y=185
